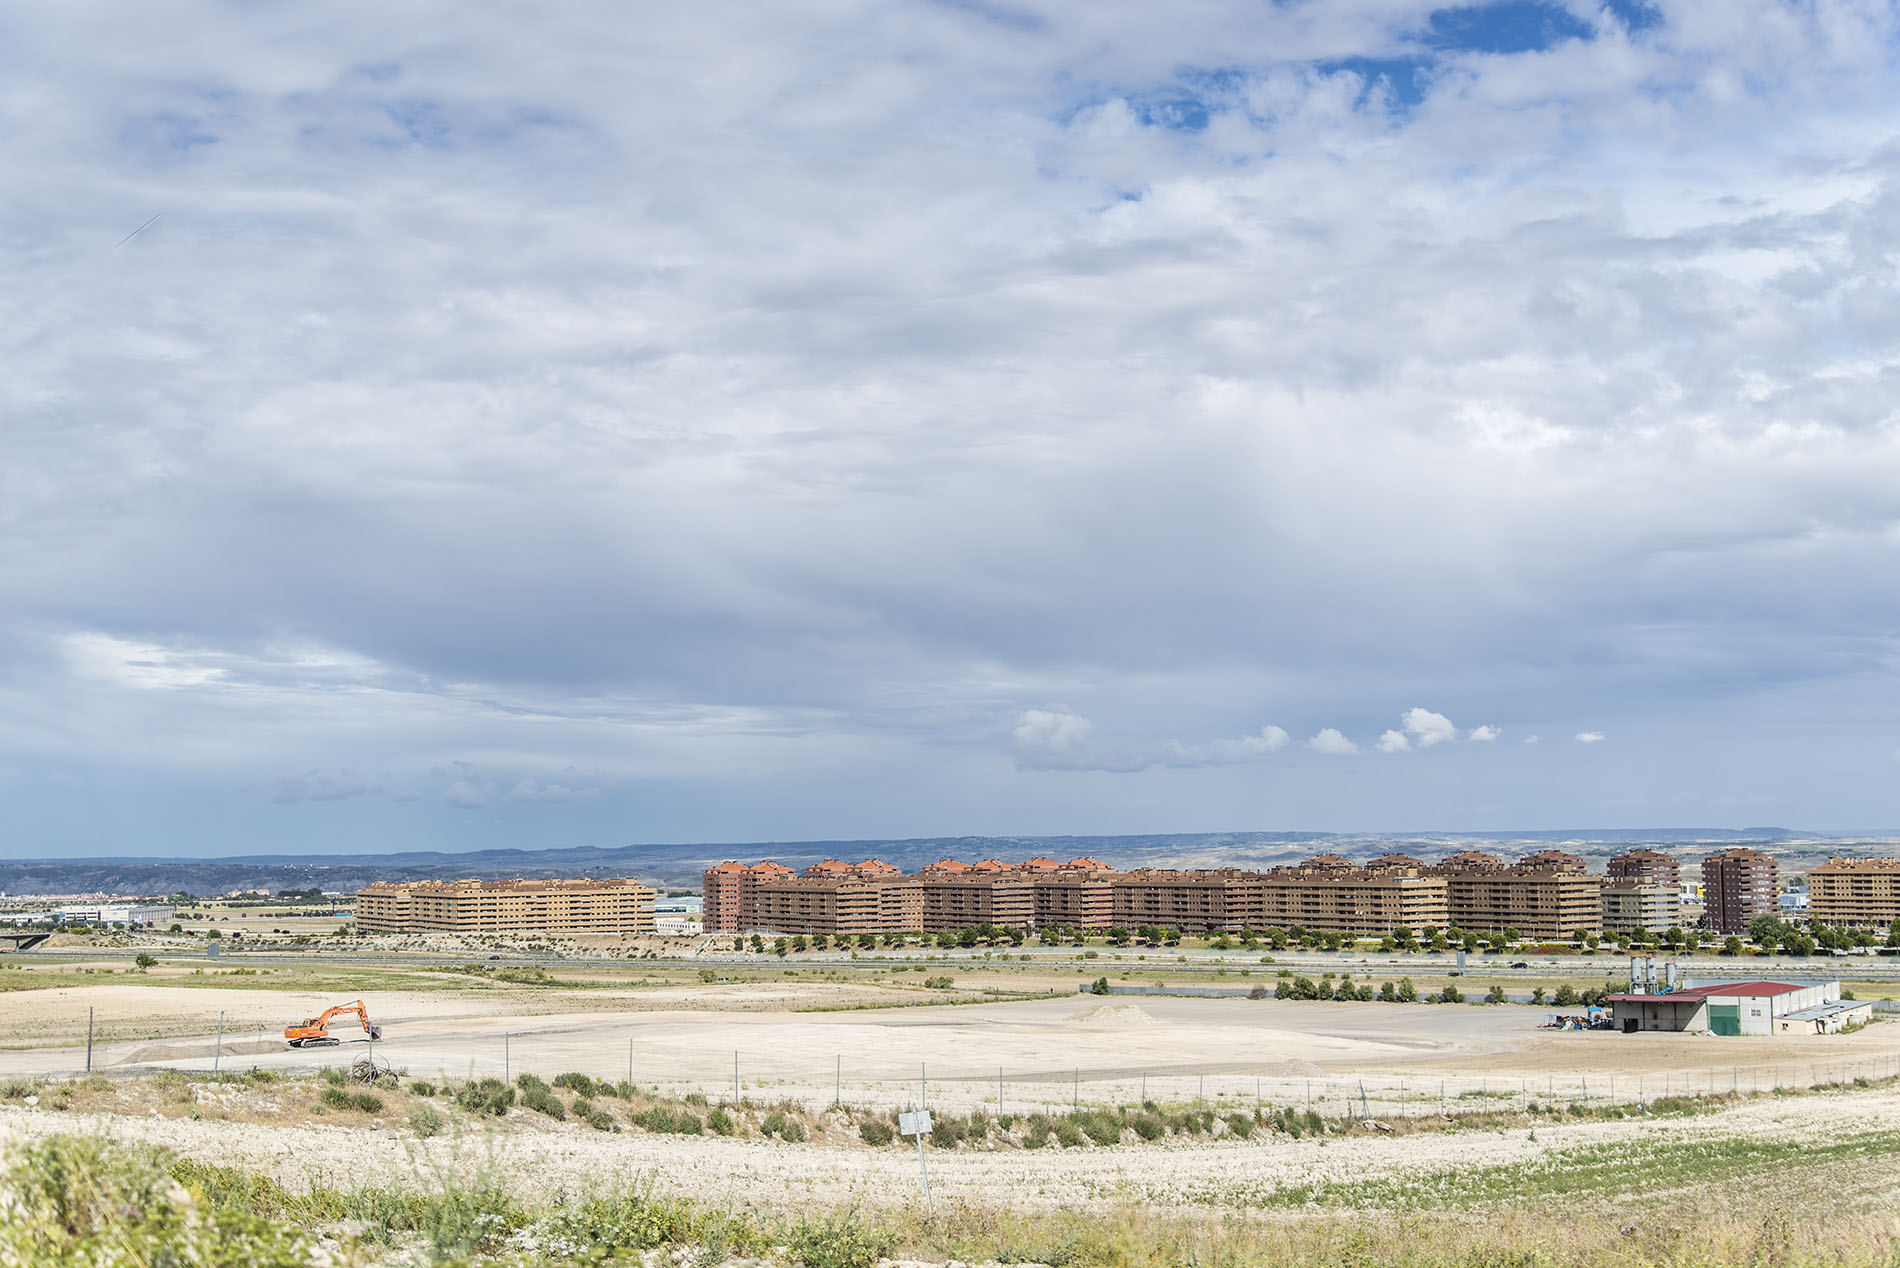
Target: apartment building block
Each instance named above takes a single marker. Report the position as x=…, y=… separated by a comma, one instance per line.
x=1543, y=895
x=514, y=906
x=1855, y=893
x=1644, y=891
x=1739, y=884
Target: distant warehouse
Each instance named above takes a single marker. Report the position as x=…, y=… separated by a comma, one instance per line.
x=517, y=906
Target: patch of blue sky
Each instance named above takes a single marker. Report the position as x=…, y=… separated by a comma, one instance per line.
x=1635, y=15
x=1506, y=26
x=1402, y=81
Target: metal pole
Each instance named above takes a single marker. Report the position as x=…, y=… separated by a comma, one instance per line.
x=837, y=1082
x=1202, y=1094
x=507, y=1064
x=1075, y=1096
x=923, y=1085
x=88, y=1041
x=735, y=1076
x=923, y=1169
x=217, y=1051
x=999, y=1091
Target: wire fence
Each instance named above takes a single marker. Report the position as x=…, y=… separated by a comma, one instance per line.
x=956, y=1086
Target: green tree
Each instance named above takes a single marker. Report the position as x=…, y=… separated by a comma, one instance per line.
x=1408, y=994
x=1537, y=996
x=144, y=960
x=1495, y=995
x=1100, y=986
x=798, y=942
x=1388, y=994
x=1451, y=995
x=1566, y=996
x=1731, y=945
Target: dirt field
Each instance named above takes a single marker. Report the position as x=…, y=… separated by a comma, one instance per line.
x=1394, y=1059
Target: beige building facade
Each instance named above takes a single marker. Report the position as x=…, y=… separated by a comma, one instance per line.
x=514, y=906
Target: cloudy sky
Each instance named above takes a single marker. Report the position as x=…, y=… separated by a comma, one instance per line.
x=545, y=425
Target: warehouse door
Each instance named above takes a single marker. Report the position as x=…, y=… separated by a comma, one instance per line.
x=1725, y=1019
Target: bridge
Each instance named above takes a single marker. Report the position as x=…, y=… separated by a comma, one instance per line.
x=24, y=941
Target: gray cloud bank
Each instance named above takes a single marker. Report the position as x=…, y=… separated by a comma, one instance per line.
x=770, y=410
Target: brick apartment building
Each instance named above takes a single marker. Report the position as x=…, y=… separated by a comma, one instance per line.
x=514, y=906
x=1546, y=895
x=1739, y=884
x=1644, y=891
x=1855, y=893
x=1543, y=895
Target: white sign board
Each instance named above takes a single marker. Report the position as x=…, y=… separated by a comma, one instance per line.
x=917, y=1124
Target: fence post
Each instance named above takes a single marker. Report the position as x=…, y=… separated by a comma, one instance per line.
x=89, y=1041
x=507, y=1064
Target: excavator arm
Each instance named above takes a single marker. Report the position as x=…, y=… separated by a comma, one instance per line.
x=314, y=1032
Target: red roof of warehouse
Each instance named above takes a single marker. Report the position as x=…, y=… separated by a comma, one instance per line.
x=1726, y=988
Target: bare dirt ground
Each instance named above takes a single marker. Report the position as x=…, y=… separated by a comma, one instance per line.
x=1394, y=1059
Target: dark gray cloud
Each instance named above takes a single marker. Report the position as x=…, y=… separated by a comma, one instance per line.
x=739, y=423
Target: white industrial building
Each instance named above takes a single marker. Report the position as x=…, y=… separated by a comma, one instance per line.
x=1734, y=1008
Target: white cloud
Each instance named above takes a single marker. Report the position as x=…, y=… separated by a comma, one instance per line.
x=1428, y=728
x=1050, y=733
x=1332, y=743
x=1056, y=739
x=1393, y=742
x=1589, y=737
x=822, y=409
x=1483, y=734
x=531, y=790
x=1533, y=739
x=465, y=794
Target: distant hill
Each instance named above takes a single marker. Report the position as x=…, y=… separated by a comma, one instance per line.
x=679, y=866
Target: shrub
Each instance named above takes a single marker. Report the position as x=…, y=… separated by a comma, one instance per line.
x=720, y=1121
x=334, y=1097
x=333, y=1075
x=840, y=1240
x=773, y=1124
x=579, y=1084
x=14, y=1089
x=946, y=1131
x=488, y=1096
x=530, y=1083
x=600, y=1121
x=582, y=1107
x=424, y=1121
x=422, y=1088
x=543, y=1101
x=1240, y=1125
x=1036, y=1131
x=368, y=1102
x=1100, y=1126
x=1148, y=1126
x=1068, y=1135
x=85, y=1200
x=875, y=1131
x=793, y=1130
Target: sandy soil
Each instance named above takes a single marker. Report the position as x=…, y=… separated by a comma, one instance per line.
x=1393, y=1059
x=546, y=1159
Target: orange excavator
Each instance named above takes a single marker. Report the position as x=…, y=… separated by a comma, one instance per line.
x=314, y=1032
